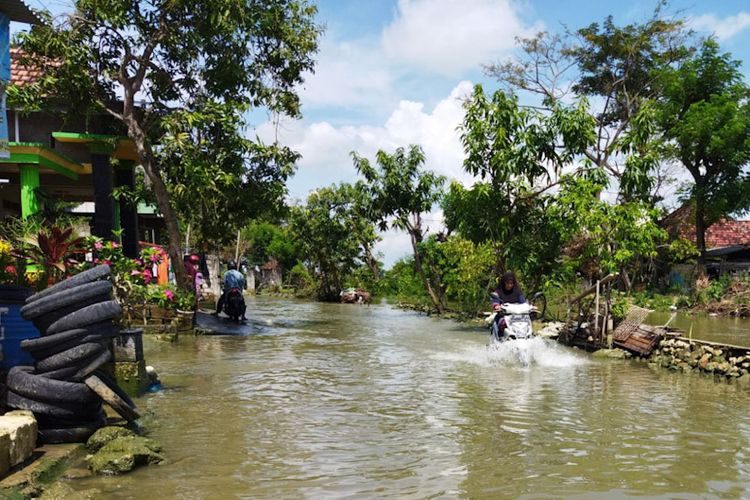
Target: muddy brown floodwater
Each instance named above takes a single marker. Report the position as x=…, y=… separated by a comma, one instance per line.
x=347, y=401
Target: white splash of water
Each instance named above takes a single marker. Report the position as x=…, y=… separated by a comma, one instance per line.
x=523, y=353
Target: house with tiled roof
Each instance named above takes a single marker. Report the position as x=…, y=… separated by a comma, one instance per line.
x=727, y=241
x=71, y=159
x=21, y=74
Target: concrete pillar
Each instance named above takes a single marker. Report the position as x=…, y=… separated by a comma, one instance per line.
x=130, y=364
x=125, y=176
x=250, y=278
x=29, y=185
x=104, y=204
x=215, y=272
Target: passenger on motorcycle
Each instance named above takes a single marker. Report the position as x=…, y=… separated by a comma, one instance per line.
x=507, y=293
x=232, y=279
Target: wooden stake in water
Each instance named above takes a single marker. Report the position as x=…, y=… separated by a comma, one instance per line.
x=690, y=334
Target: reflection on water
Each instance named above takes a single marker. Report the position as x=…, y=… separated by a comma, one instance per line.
x=343, y=401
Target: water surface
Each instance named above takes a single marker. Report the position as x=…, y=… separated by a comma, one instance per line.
x=347, y=401
x=725, y=329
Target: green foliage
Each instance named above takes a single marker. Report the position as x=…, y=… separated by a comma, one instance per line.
x=704, y=122
x=618, y=62
x=681, y=250
x=331, y=229
x=301, y=279
x=467, y=272
x=272, y=241
x=620, y=307
x=520, y=154
x=217, y=178
x=655, y=301
x=400, y=192
x=179, y=79
x=603, y=238
x=614, y=66
x=403, y=282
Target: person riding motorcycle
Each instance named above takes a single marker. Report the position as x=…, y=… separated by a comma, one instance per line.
x=507, y=293
x=232, y=279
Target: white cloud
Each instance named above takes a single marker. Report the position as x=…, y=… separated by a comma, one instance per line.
x=449, y=36
x=725, y=28
x=325, y=148
x=343, y=77
x=326, y=160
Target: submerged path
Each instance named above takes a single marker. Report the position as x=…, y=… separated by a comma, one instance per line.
x=346, y=401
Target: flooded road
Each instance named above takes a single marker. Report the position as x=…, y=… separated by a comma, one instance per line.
x=346, y=401
x=725, y=329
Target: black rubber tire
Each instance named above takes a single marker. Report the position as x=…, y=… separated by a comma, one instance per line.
x=47, y=422
x=114, y=396
x=62, y=373
x=61, y=430
x=67, y=434
x=64, y=346
x=86, y=370
x=50, y=341
x=93, y=274
x=87, y=316
x=72, y=357
x=61, y=410
x=66, y=298
x=42, y=323
x=24, y=382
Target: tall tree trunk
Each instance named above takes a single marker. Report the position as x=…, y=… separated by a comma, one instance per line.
x=416, y=237
x=151, y=169
x=372, y=263
x=700, y=223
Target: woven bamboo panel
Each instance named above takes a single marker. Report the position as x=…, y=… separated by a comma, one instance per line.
x=636, y=316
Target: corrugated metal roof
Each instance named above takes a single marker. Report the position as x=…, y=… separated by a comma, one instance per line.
x=18, y=11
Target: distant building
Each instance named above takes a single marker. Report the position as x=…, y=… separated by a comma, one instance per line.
x=79, y=159
x=727, y=241
x=270, y=274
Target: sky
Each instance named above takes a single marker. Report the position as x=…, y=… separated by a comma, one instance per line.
x=392, y=73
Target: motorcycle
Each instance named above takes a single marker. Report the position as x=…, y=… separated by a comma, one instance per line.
x=234, y=305
x=517, y=318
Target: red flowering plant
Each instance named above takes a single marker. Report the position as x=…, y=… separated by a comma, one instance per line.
x=134, y=281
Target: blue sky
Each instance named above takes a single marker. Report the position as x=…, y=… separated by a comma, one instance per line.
x=392, y=73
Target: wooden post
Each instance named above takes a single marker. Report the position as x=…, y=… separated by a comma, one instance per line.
x=237, y=250
x=596, y=312
x=187, y=240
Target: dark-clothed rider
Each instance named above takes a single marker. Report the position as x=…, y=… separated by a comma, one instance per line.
x=507, y=293
x=232, y=279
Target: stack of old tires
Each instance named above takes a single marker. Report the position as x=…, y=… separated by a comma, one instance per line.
x=65, y=387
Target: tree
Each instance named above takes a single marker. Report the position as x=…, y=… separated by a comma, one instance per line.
x=519, y=153
x=613, y=65
x=216, y=178
x=270, y=240
x=400, y=190
x=149, y=64
x=331, y=230
x=599, y=238
x=703, y=117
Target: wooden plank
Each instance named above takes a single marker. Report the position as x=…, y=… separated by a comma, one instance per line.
x=590, y=290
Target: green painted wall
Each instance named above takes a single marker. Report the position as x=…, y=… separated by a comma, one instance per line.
x=29, y=184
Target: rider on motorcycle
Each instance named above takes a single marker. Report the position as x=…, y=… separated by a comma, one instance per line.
x=232, y=279
x=507, y=293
